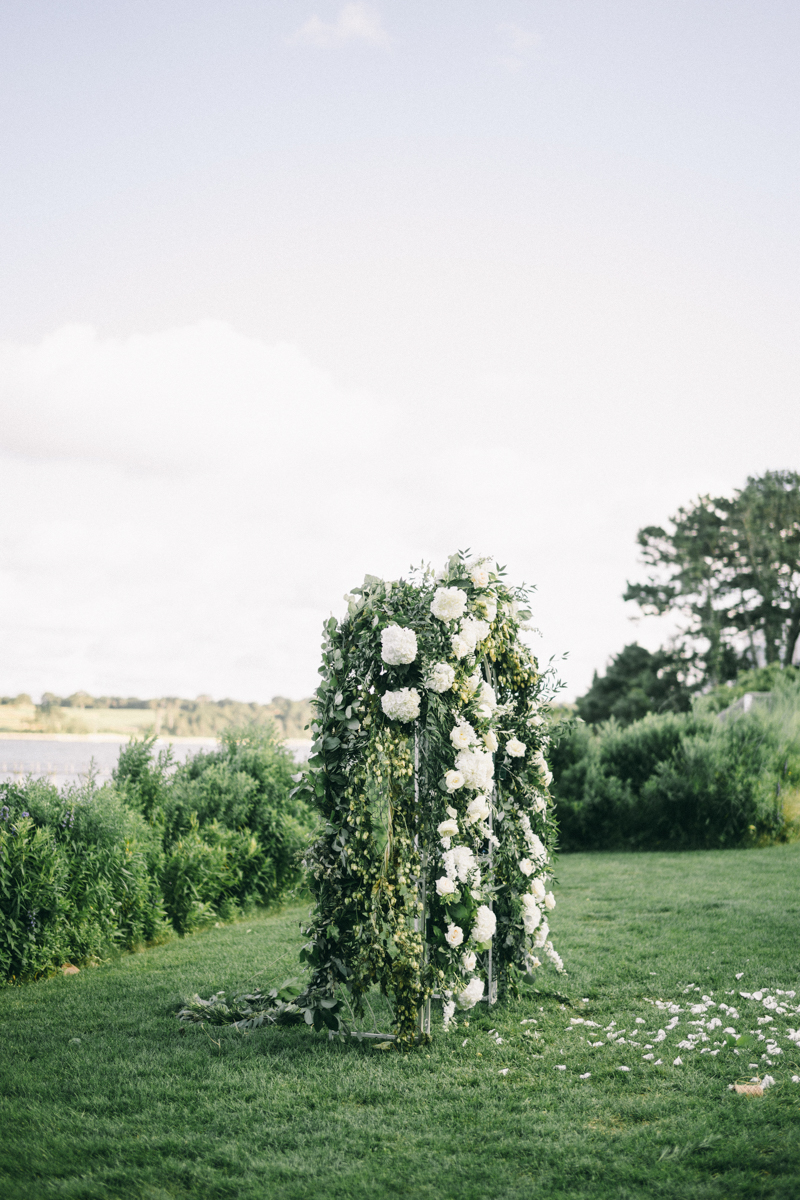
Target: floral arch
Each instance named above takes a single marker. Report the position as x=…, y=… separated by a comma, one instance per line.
x=430, y=874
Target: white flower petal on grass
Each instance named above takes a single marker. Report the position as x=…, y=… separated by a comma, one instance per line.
x=648, y=1057
x=503, y=1072
x=623, y=1068
x=588, y=1075
x=398, y=645
x=677, y=1062
x=796, y=1079
x=448, y=604
x=560, y=1067
x=767, y=1081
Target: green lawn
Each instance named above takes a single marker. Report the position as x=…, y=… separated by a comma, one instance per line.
x=140, y=1108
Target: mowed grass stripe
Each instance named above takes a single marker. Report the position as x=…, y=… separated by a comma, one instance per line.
x=140, y=1110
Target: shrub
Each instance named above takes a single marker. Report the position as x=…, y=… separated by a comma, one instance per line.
x=677, y=781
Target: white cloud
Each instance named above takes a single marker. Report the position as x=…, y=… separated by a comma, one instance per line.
x=354, y=23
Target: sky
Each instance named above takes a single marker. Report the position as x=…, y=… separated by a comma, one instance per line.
x=293, y=292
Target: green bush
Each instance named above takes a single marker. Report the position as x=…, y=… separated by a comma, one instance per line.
x=231, y=833
x=78, y=877
x=678, y=781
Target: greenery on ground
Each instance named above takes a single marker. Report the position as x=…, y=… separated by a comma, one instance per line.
x=103, y=1094
x=85, y=870
x=81, y=713
x=684, y=780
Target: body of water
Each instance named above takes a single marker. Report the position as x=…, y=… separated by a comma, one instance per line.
x=68, y=758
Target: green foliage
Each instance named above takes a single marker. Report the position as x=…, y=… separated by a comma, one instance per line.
x=90, y=870
x=637, y=682
x=731, y=567
x=681, y=781
x=77, y=877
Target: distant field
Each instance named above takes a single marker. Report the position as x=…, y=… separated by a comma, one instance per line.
x=102, y=1095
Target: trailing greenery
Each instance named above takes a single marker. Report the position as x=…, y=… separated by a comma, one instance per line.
x=681, y=780
x=105, y=1095
x=85, y=871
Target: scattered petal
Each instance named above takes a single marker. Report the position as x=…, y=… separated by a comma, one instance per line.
x=503, y=1072
x=767, y=1081
x=739, y=976
x=588, y=1075
x=561, y=1067
x=623, y=1068
x=677, y=1062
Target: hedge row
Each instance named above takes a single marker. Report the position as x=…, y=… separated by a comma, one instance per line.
x=87, y=870
x=679, y=780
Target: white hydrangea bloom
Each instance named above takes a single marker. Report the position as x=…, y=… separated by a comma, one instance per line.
x=537, y=850
x=459, y=646
x=471, y=994
x=485, y=925
x=454, y=936
x=448, y=828
x=464, y=862
x=490, y=741
x=476, y=768
x=526, y=866
x=441, y=677
x=516, y=748
x=445, y=886
x=538, y=889
x=479, y=574
x=473, y=631
x=469, y=960
x=398, y=645
x=478, y=810
x=550, y=901
x=448, y=604
x=531, y=916
x=462, y=735
x=402, y=705
x=541, y=936
x=454, y=780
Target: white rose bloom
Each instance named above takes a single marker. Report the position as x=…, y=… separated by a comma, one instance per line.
x=454, y=936
x=478, y=810
x=463, y=735
x=471, y=994
x=479, y=574
x=398, y=645
x=540, y=763
x=485, y=925
x=448, y=604
x=469, y=960
x=473, y=682
x=402, y=705
x=488, y=606
x=536, y=848
x=451, y=812
x=490, y=741
x=542, y=936
x=460, y=648
x=448, y=1012
x=463, y=862
x=445, y=886
x=536, y=720
x=441, y=678
x=526, y=866
x=540, y=804
x=550, y=901
x=488, y=696
x=453, y=780
x=448, y=828
x=538, y=889
x=531, y=916
x=476, y=768
x=516, y=748
x=473, y=631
